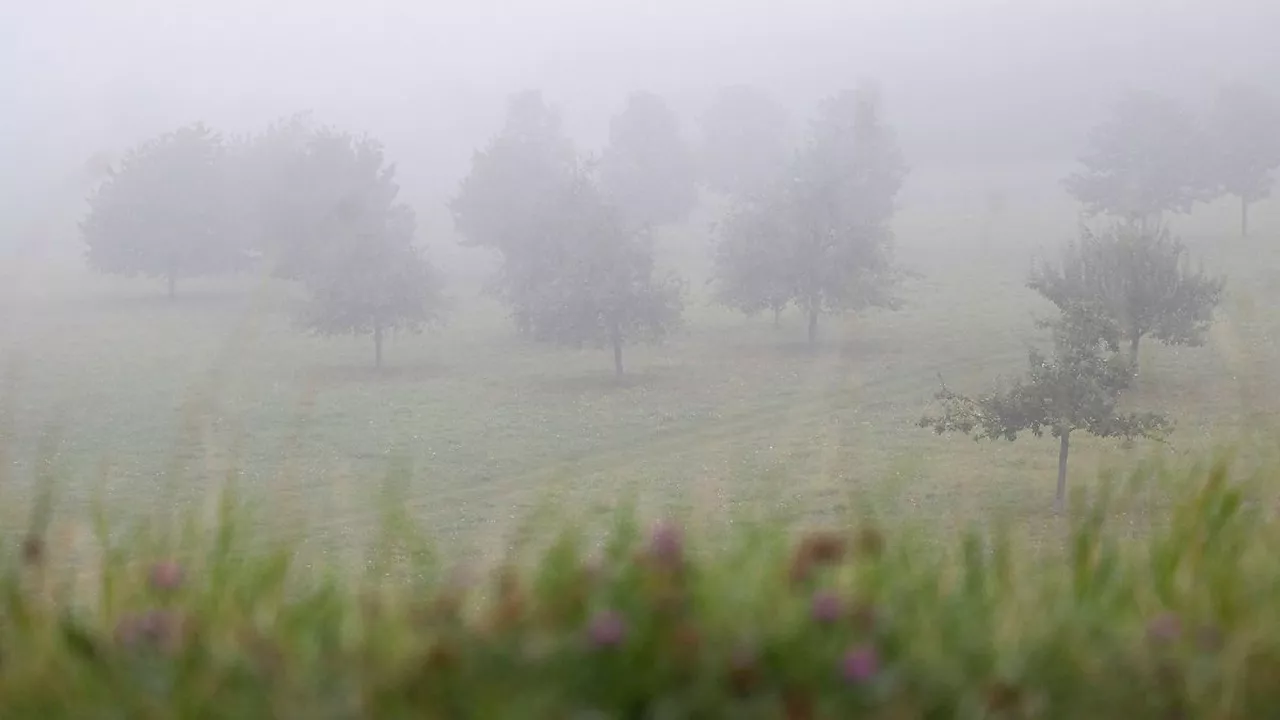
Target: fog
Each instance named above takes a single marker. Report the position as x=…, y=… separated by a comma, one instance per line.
x=967, y=81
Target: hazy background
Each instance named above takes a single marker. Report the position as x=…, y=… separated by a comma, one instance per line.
x=968, y=82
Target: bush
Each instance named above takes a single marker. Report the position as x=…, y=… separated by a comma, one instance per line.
x=1182, y=622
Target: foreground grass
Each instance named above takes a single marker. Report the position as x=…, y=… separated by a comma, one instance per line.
x=195, y=619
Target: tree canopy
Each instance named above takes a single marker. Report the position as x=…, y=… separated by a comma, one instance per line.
x=573, y=270
x=648, y=170
x=1076, y=388
x=820, y=237
x=1134, y=278
x=1245, y=131
x=744, y=143
x=167, y=211
x=1147, y=158
x=372, y=281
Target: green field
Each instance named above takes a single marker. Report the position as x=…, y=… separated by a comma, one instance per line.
x=114, y=388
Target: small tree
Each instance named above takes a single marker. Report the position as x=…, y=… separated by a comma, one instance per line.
x=1245, y=125
x=822, y=234
x=1076, y=389
x=166, y=211
x=1136, y=280
x=744, y=143
x=376, y=281
x=647, y=170
x=510, y=200
x=754, y=260
x=1147, y=158
x=597, y=285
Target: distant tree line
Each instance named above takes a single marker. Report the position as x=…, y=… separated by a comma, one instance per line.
x=573, y=231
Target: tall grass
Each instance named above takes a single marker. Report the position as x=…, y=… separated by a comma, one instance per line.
x=201, y=616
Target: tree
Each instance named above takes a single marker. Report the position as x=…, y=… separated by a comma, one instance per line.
x=599, y=285
x=309, y=189
x=1077, y=388
x=647, y=170
x=275, y=197
x=1147, y=158
x=508, y=202
x=821, y=237
x=573, y=271
x=373, y=281
x=744, y=141
x=1135, y=279
x=1245, y=126
x=166, y=211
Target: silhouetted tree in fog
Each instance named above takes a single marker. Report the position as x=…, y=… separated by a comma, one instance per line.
x=373, y=280
x=744, y=141
x=310, y=190
x=1245, y=131
x=1147, y=158
x=647, y=170
x=1076, y=388
x=573, y=271
x=821, y=234
x=1135, y=280
x=508, y=201
x=166, y=212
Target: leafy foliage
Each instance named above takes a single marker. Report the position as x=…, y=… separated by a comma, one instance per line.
x=376, y=281
x=647, y=170
x=167, y=211
x=821, y=238
x=1134, y=278
x=1149, y=157
x=1245, y=126
x=573, y=270
x=744, y=141
x=1076, y=388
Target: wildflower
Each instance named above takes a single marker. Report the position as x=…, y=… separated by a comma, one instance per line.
x=826, y=607
x=1164, y=628
x=166, y=576
x=607, y=629
x=666, y=543
x=860, y=664
x=816, y=550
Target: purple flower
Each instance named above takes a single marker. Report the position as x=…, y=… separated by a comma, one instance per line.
x=827, y=607
x=1165, y=627
x=607, y=629
x=860, y=664
x=166, y=576
x=666, y=542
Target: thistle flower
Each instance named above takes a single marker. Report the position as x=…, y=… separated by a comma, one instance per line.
x=860, y=664
x=607, y=629
x=1164, y=628
x=826, y=607
x=166, y=576
x=666, y=543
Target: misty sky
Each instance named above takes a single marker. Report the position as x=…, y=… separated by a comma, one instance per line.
x=430, y=76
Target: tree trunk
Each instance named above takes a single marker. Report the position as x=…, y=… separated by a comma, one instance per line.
x=615, y=337
x=1064, y=445
x=1244, y=217
x=377, y=344
x=777, y=315
x=173, y=286
x=1133, y=349
x=813, y=324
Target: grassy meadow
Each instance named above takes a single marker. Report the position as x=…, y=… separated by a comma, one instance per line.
x=151, y=405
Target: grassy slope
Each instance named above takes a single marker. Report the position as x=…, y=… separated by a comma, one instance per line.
x=731, y=416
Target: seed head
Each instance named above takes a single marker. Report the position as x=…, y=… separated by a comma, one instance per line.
x=607, y=629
